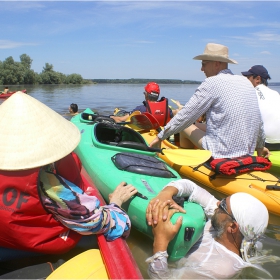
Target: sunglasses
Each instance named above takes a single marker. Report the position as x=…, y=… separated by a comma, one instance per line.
x=223, y=206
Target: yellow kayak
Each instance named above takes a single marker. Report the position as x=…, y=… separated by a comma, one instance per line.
x=262, y=185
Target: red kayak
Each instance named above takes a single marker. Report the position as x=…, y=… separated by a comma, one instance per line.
x=117, y=257
x=6, y=95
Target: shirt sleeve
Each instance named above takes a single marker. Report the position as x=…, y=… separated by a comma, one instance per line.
x=187, y=188
x=193, y=109
x=79, y=211
x=261, y=137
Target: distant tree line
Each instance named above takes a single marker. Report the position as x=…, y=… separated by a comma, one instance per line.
x=142, y=81
x=19, y=73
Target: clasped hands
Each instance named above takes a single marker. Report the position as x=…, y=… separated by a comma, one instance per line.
x=158, y=215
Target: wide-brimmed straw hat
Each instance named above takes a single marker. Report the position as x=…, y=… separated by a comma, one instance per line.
x=32, y=134
x=215, y=52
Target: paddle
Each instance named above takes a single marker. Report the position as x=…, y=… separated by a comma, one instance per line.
x=128, y=121
x=153, y=120
x=178, y=156
x=190, y=157
x=141, y=122
x=177, y=103
x=133, y=114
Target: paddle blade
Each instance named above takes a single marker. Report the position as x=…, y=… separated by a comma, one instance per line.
x=190, y=157
x=142, y=122
x=133, y=114
x=153, y=120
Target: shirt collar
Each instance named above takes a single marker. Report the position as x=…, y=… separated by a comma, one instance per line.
x=225, y=71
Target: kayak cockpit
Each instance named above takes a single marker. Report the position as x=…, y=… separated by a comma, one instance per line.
x=118, y=135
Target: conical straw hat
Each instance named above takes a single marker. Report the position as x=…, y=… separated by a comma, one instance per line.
x=32, y=134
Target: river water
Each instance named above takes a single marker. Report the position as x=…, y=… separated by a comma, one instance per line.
x=103, y=98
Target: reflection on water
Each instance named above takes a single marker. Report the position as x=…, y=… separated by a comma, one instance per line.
x=103, y=99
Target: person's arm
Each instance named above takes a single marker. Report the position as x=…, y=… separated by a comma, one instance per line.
x=189, y=113
x=120, y=119
x=81, y=212
x=180, y=188
x=164, y=231
x=262, y=151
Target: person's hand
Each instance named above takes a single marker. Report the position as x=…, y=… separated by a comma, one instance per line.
x=164, y=197
x=164, y=231
x=156, y=143
x=122, y=193
x=263, y=152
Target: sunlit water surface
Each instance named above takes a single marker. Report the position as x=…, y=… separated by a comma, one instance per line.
x=104, y=98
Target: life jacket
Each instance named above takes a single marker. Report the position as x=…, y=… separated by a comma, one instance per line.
x=232, y=166
x=159, y=110
x=26, y=224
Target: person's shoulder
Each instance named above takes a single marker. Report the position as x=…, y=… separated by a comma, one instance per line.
x=140, y=108
x=267, y=90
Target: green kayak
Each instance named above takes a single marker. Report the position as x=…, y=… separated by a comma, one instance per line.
x=111, y=154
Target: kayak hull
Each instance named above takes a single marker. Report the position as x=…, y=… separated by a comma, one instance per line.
x=6, y=95
x=99, y=159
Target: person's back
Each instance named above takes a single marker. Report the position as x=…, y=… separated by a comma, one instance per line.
x=269, y=103
x=234, y=117
x=234, y=125
x=45, y=205
x=158, y=108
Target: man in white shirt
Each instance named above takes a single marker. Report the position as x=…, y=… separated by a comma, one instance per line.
x=269, y=103
x=229, y=246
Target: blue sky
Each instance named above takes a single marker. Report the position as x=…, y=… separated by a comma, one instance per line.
x=147, y=39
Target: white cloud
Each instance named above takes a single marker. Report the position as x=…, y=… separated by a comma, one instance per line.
x=266, y=52
x=6, y=44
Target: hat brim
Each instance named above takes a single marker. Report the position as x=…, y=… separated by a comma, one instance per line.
x=247, y=73
x=215, y=58
x=32, y=134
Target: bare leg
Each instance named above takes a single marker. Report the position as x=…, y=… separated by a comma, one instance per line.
x=191, y=136
x=201, y=126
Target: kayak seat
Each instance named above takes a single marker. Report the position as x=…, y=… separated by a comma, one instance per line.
x=142, y=164
x=112, y=134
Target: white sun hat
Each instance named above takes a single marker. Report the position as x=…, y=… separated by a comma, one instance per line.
x=32, y=134
x=215, y=52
